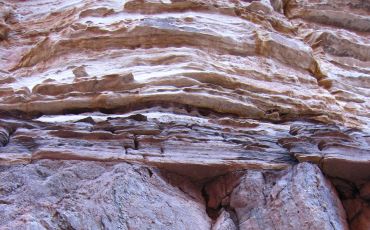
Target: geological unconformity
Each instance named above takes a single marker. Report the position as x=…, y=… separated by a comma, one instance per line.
x=186, y=114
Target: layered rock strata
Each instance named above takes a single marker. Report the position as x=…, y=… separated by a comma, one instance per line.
x=164, y=114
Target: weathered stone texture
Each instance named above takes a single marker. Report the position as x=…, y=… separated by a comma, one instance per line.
x=185, y=114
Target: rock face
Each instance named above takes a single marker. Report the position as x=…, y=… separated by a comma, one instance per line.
x=89, y=195
x=92, y=195
x=164, y=114
x=299, y=198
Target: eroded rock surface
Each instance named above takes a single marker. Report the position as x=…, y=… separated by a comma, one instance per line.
x=190, y=114
x=92, y=195
x=298, y=198
x=88, y=195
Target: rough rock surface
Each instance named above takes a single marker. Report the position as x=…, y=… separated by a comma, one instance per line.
x=90, y=195
x=299, y=198
x=185, y=114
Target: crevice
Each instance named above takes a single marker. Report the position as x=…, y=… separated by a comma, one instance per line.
x=211, y=212
x=348, y=191
x=216, y=213
x=150, y=172
x=126, y=149
x=285, y=8
x=136, y=143
x=5, y=202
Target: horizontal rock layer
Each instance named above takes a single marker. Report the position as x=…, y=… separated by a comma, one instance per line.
x=184, y=114
x=206, y=146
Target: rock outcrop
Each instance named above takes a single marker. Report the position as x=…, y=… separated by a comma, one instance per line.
x=186, y=114
x=90, y=195
x=300, y=198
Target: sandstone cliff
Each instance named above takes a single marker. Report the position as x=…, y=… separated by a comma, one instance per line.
x=185, y=114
